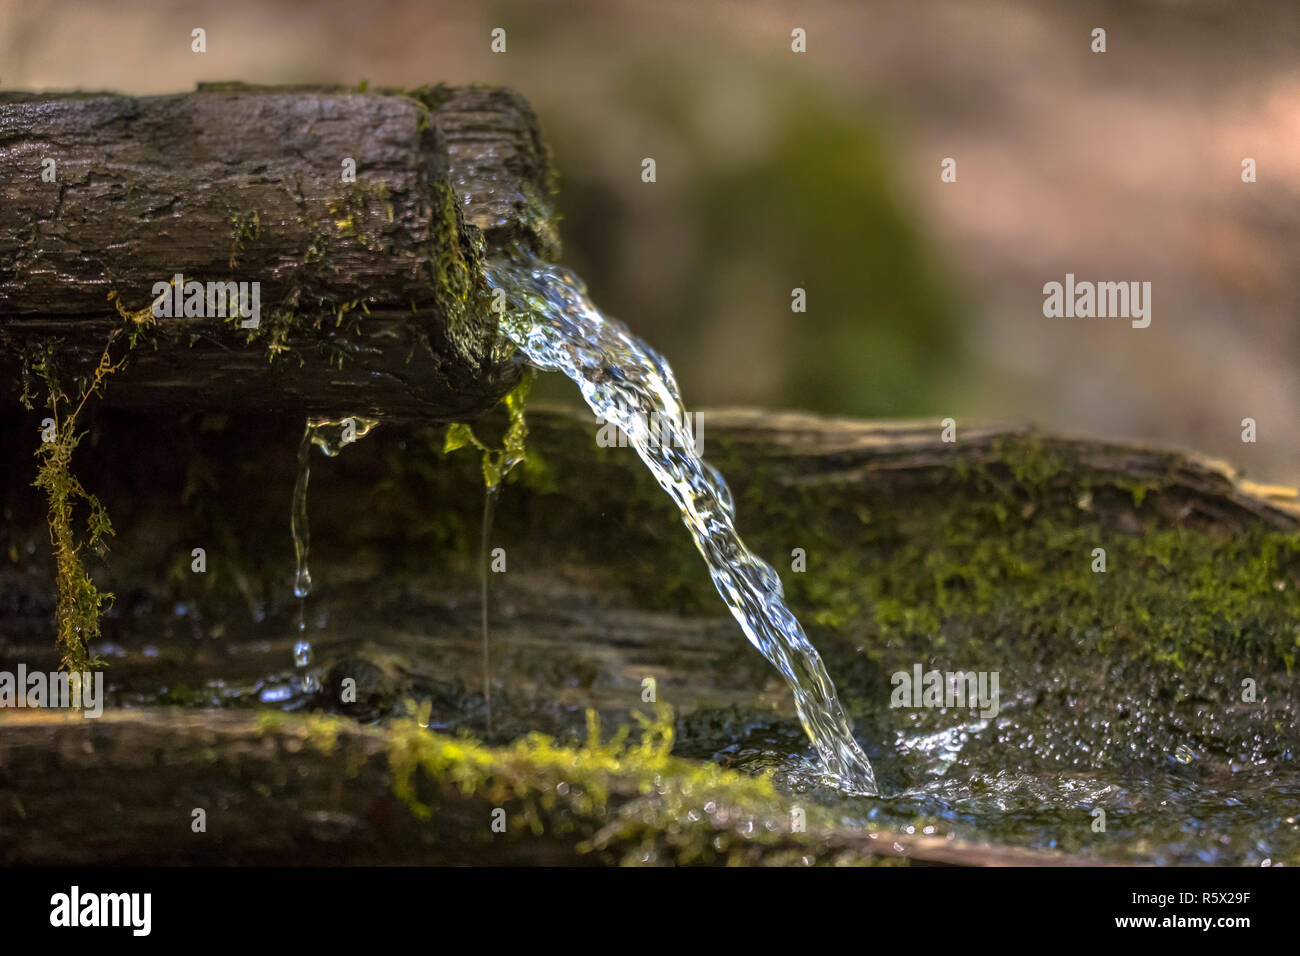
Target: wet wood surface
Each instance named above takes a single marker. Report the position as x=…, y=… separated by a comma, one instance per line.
x=356, y=213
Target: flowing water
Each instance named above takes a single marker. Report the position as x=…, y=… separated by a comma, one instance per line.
x=548, y=315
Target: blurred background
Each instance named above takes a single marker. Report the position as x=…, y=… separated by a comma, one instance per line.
x=820, y=170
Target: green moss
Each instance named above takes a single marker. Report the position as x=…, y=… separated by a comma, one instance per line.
x=995, y=573
x=247, y=226
x=1030, y=460
x=79, y=602
x=323, y=732
x=455, y=260
x=983, y=564
x=272, y=721
x=453, y=256
x=621, y=800
x=356, y=209
x=1137, y=490
x=537, y=219
x=360, y=214
x=1025, y=553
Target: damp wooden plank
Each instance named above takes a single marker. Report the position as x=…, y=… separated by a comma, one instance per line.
x=356, y=214
x=123, y=789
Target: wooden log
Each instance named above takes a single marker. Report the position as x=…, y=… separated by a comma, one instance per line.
x=808, y=450
x=370, y=291
x=122, y=789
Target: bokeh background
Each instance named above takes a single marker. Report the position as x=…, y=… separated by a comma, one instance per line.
x=820, y=170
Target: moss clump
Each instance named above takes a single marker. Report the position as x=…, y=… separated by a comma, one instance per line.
x=456, y=260
x=79, y=602
x=1032, y=462
x=621, y=800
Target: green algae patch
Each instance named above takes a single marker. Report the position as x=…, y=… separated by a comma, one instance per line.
x=622, y=800
x=497, y=463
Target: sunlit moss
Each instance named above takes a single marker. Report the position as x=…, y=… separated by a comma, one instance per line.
x=455, y=260
x=498, y=462
x=625, y=799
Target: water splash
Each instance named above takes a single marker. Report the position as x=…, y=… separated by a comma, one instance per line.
x=330, y=436
x=547, y=314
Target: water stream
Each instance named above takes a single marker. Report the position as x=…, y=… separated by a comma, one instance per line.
x=546, y=312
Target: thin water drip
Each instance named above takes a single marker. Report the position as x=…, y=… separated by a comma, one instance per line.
x=549, y=317
x=489, y=510
x=496, y=463
x=330, y=436
x=298, y=522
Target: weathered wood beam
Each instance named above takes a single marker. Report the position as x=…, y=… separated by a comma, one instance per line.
x=370, y=290
x=122, y=789
x=811, y=449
